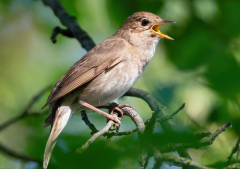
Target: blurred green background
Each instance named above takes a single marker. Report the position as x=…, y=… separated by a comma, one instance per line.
x=201, y=68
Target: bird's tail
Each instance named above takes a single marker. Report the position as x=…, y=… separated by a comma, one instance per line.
x=63, y=114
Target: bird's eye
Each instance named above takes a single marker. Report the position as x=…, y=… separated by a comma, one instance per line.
x=144, y=22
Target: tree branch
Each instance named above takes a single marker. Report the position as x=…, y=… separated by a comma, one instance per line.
x=71, y=24
x=210, y=140
x=153, y=104
x=204, y=140
x=135, y=117
x=165, y=118
x=235, y=149
x=96, y=135
x=88, y=123
x=57, y=30
x=127, y=112
x=159, y=119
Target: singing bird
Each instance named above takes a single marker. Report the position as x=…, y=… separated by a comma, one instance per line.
x=104, y=73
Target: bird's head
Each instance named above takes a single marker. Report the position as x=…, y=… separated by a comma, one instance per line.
x=144, y=24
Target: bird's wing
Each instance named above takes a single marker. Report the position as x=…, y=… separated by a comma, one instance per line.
x=101, y=57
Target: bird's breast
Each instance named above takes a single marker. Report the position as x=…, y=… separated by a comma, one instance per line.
x=145, y=55
x=111, y=84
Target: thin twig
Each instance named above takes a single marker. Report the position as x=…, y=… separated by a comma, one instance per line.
x=71, y=23
x=88, y=123
x=128, y=112
x=235, y=149
x=165, y=118
x=210, y=140
x=136, y=118
x=57, y=30
x=206, y=140
x=95, y=136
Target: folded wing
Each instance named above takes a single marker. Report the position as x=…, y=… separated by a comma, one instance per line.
x=103, y=56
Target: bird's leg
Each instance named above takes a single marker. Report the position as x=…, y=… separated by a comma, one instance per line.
x=111, y=109
x=108, y=116
x=116, y=107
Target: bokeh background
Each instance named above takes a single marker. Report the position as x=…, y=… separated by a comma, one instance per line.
x=201, y=68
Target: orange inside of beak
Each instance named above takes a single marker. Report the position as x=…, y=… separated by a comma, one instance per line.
x=155, y=30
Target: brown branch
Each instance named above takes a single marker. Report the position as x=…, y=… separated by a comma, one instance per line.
x=96, y=135
x=127, y=112
x=135, y=117
x=71, y=23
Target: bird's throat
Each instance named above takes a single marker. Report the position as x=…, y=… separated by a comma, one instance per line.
x=156, y=32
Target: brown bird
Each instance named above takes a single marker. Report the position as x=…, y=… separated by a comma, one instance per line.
x=103, y=74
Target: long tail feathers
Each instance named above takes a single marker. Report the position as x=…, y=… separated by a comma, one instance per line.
x=62, y=116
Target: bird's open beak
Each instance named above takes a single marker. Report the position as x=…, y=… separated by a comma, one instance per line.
x=155, y=30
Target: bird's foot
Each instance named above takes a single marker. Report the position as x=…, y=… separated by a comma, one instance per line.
x=116, y=107
x=108, y=116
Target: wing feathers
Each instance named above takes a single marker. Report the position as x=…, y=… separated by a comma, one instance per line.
x=103, y=56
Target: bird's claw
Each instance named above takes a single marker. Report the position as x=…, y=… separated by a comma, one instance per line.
x=125, y=105
x=116, y=107
x=113, y=118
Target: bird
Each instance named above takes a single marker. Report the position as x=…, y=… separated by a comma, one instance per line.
x=103, y=74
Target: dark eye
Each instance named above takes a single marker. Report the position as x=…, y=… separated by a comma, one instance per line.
x=144, y=22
